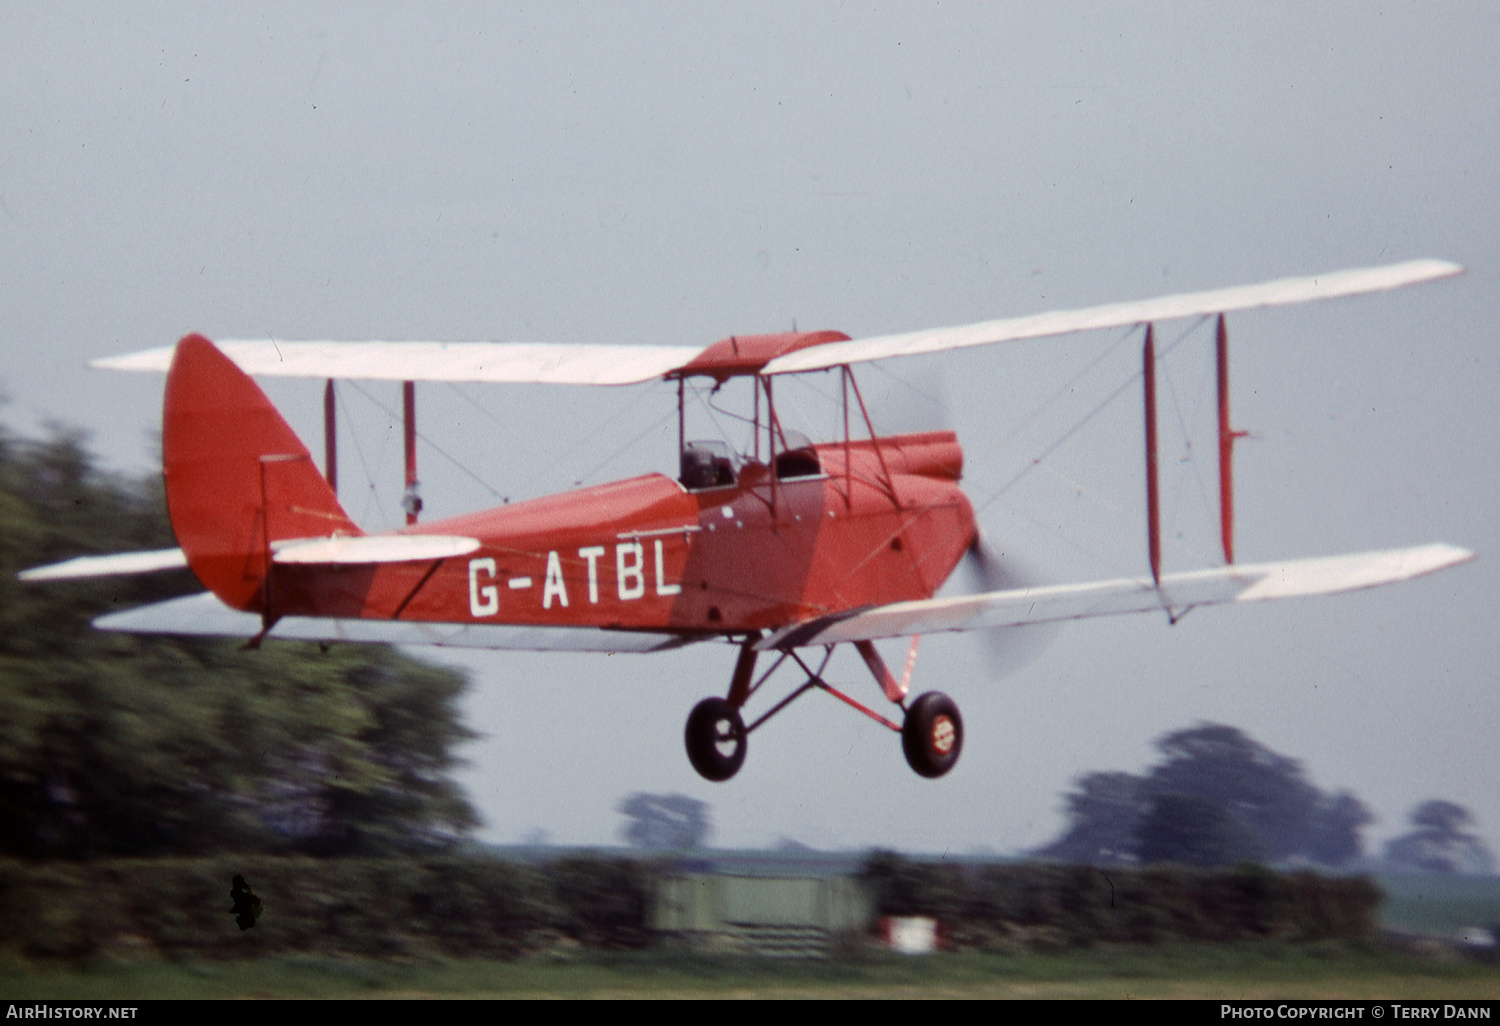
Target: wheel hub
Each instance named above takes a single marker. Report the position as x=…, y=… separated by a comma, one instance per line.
x=943, y=735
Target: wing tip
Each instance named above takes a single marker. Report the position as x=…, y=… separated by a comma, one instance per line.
x=1445, y=555
x=157, y=360
x=1432, y=269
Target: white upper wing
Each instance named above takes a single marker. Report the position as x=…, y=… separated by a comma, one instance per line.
x=1114, y=315
x=1179, y=592
x=572, y=364
x=541, y=363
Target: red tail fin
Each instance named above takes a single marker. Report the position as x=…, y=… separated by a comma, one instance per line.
x=237, y=476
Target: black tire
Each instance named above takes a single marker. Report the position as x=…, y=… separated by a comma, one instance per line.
x=715, y=739
x=933, y=734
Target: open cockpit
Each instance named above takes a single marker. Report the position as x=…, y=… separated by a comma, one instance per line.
x=706, y=464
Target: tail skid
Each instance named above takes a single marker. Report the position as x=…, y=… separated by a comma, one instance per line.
x=238, y=479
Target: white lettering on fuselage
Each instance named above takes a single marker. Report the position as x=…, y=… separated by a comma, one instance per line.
x=592, y=554
x=631, y=571
x=630, y=577
x=483, y=601
x=554, y=587
x=662, y=587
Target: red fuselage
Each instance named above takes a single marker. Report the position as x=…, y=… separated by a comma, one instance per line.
x=885, y=525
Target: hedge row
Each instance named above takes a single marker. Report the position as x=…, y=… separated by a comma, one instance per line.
x=1039, y=905
x=384, y=908
x=457, y=906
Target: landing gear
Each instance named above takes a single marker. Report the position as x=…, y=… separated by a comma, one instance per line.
x=716, y=739
x=933, y=734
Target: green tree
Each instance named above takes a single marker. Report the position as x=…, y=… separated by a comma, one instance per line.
x=1266, y=791
x=1439, y=844
x=664, y=821
x=1194, y=831
x=1240, y=796
x=1333, y=839
x=1104, y=810
x=127, y=745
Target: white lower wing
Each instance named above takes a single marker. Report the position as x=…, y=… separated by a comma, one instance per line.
x=205, y=616
x=1178, y=593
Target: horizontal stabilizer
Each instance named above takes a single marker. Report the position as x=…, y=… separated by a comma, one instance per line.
x=116, y=565
x=1282, y=292
x=539, y=363
x=1179, y=592
x=204, y=615
x=379, y=548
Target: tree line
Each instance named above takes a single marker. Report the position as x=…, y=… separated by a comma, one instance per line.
x=1218, y=797
x=124, y=745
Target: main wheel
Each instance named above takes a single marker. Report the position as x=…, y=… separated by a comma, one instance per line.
x=933, y=734
x=715, y=739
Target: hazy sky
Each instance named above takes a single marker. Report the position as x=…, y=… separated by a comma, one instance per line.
x=675, y=173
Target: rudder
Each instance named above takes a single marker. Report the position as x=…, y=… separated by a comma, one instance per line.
x=237, y=477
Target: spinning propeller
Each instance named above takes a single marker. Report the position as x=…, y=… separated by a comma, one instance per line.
x=1007, y=649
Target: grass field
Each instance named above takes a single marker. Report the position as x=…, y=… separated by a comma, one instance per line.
x=1230, y=971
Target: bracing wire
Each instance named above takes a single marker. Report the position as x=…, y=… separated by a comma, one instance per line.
x=1065, y=390
x=430, y=443
x=591, y=436
x=653, y=426
x=706, y=403
x=1190, y=455
x=1099, y=408
x=372, y=498
x=709, y=402
x=937, y=401
x=489, y=414
x=1097, y=557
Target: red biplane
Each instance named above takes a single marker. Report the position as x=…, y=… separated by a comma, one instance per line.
x=787, y=547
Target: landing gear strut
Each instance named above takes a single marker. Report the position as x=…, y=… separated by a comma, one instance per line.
x=932, y=732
